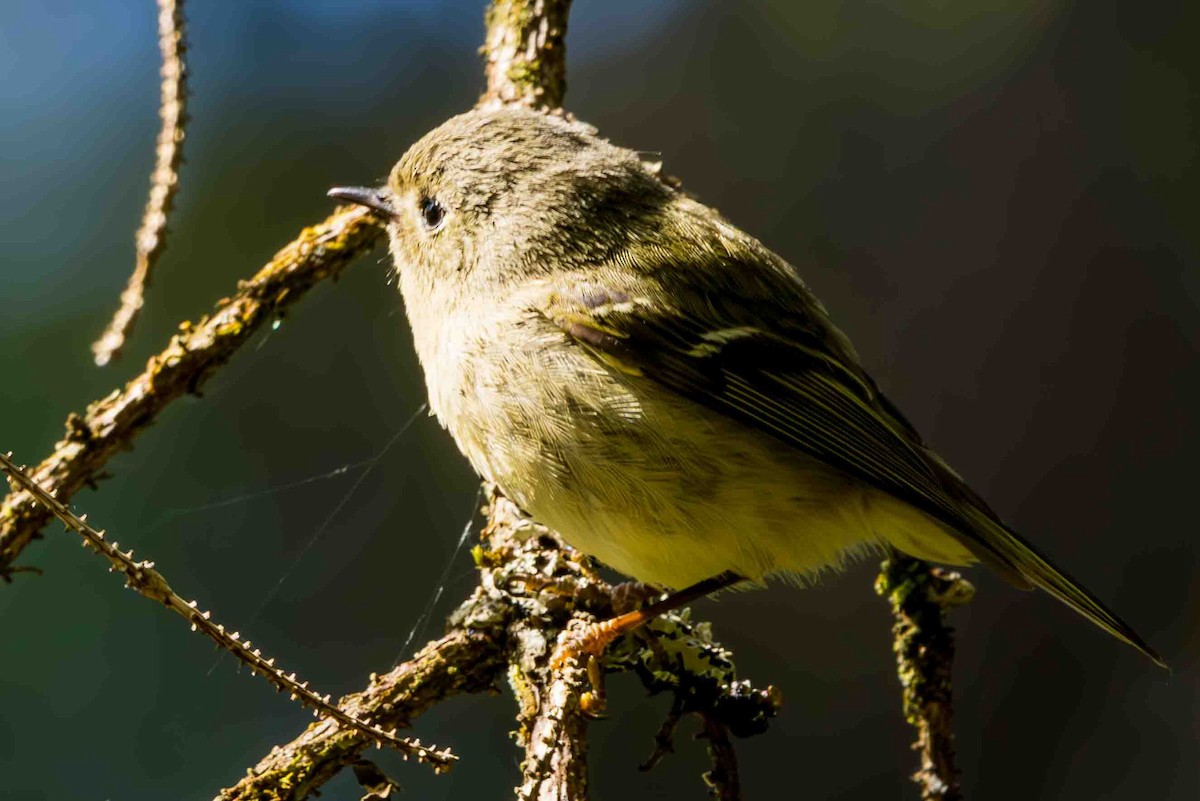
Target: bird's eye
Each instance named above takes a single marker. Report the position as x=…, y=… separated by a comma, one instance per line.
x=433, y=213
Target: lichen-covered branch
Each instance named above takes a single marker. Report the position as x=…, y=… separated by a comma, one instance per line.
x=141, y=576
x=112, y=423
x=552, y=587
x=557, y=592
x=151, y=238
x=555, y=741
x=525, y=55
x=919, y=595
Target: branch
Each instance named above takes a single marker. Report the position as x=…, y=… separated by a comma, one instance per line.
x=723, y=780
x=919, y=595
x=555, y=741
x=525, y=565
x=110, y=424
x=151, y=237
x=525, y=56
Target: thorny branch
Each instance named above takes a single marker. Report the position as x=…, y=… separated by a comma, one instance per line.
x=151, y=237
x=141, y=577
x=460, y=662
x=919, y=595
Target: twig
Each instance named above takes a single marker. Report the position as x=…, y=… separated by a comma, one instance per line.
x=525, y=53
x=709, y=688
x=141, y=576
x=111, y=423
x=919, y=595
x=664, y=739
x=723, y=781
x=151, y=237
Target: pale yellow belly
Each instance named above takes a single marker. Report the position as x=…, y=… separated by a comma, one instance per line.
x=676, y=494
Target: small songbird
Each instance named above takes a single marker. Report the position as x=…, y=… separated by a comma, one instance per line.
x=652, y=382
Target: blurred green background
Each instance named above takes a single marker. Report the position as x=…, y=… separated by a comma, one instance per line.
x=992, y=197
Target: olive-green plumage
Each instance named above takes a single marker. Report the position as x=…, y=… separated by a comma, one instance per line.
x=654, y=383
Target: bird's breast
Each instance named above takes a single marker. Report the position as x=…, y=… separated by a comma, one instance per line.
x=532, y=410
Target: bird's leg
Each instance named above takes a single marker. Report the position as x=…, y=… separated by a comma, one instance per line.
x=591, y=642
x=630, y=595
x=597, y=637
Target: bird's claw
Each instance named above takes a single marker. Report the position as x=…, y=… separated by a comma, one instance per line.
x=588, y=646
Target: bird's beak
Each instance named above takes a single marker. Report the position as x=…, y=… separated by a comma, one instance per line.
x=378, y=199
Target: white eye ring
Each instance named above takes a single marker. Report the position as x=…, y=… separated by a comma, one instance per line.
x=433, y=214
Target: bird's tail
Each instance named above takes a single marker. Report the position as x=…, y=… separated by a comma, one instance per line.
x=1001, y=544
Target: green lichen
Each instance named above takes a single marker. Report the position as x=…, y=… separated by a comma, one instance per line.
x=919, y=595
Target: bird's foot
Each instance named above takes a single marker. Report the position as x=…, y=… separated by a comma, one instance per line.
x=593, y=640
x=586, y=646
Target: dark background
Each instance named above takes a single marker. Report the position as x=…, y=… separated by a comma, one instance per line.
x=991, y=197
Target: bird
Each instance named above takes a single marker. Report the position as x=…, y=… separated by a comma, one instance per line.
x=655, y=384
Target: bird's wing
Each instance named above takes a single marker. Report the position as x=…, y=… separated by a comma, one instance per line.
x=783, y=379
x=773, y=362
